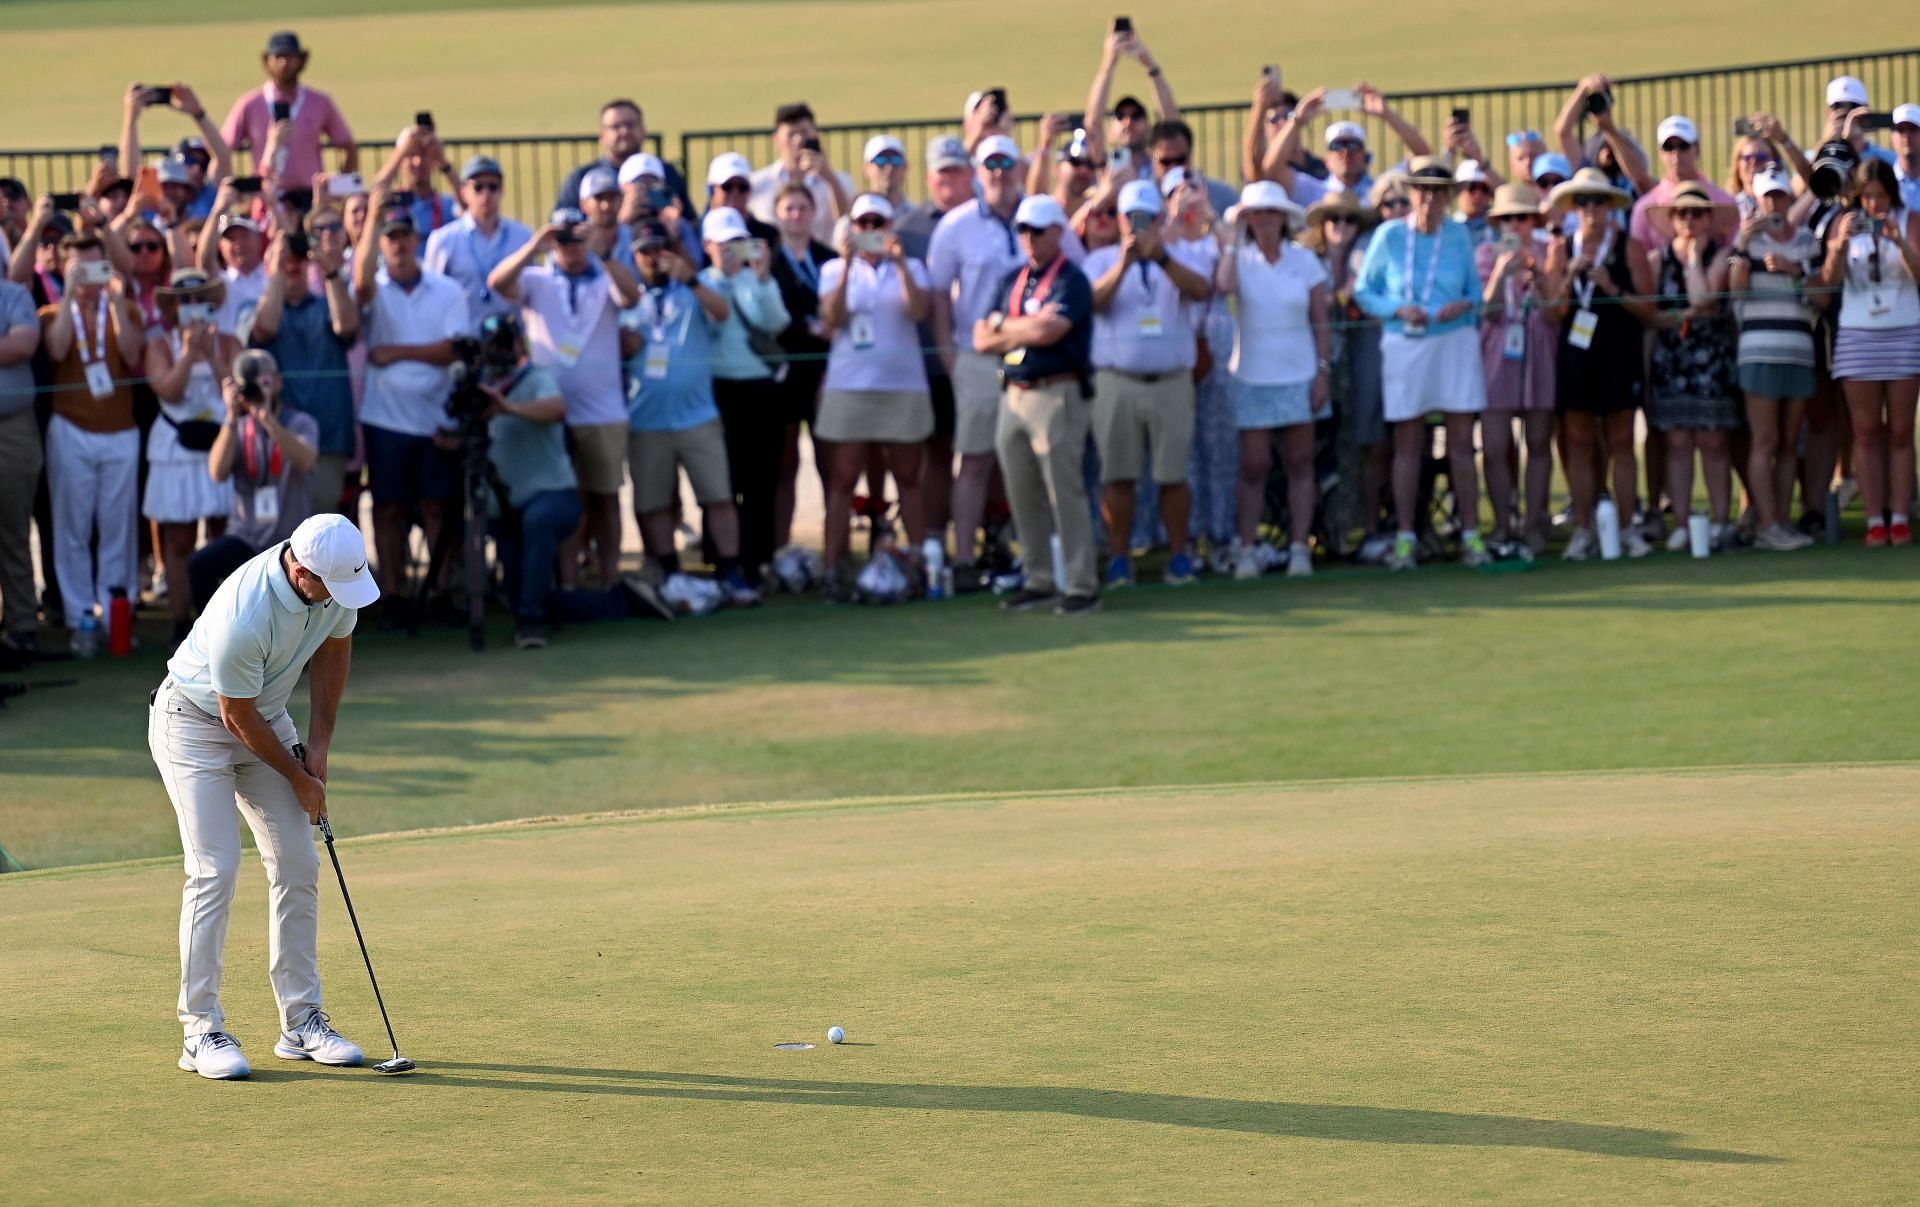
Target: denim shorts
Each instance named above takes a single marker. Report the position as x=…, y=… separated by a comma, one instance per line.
x=1258, y=407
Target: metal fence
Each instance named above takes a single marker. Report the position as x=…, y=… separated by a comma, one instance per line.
x=1793, y=91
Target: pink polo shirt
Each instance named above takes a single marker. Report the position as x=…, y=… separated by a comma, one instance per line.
x=314, y=114
x=1641, y=226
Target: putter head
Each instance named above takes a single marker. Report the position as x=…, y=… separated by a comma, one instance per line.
x=399, y=1064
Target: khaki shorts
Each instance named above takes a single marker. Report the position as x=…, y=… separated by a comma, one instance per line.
x=976, y=401
x=874, y=417
x=1128, y=412
x=654, y=459
x=597, y=448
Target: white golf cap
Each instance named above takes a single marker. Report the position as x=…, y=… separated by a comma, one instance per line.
x=1846, y=90
x=1906, y=115
x=1039, y=210
x=1172, y=180
x=999, y=144
x=643, y=164
x=723, y=225
x=598, y=182
x=1139, y=197
x=1471, y=171
x=1678, y=127
x=870, y=203
x=1771, y=180
x=173, y=170
x=879, y=145
x=331, y=546
x=1340, y=130
x=730, y=166
x=1265, y=195
x=238, y=222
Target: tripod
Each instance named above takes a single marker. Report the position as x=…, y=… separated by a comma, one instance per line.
x=476, y=480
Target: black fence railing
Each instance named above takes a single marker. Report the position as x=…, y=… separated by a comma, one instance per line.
x=1794, y=91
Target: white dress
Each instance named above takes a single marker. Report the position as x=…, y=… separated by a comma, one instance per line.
x=179, y=489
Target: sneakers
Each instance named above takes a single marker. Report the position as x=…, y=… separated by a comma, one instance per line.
x=1583, y=546
x=1026, y=599
x=216, y=1056
x=1876, y=539
x=738, y=593
x=643, y=599
x=1900, y=533
x=1781, y=539
x=530, y=635
x=1078, y=605
x=1473, y=549
x=1246, y=565
x=969, y=578
x=1299, y=562
x=1179, y=570
x=1221, y=556
x=1678, y=540
x=1119, y=571
x=313, y=1038
x=1404, y=555
x=1635, y=543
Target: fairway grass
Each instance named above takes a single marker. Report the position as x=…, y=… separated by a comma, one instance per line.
x=1644, y=988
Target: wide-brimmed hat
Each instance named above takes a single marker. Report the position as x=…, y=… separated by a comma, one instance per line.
x=1589, y=182
x=1267, y=195
x=1429, y=172
x=192, y=285
x=1515, y=200
x=1335, y=205
x=1690, y=196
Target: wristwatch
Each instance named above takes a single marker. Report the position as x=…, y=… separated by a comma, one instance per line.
x=995, y=320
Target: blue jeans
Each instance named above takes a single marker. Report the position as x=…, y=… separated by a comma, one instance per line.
x=528, y=556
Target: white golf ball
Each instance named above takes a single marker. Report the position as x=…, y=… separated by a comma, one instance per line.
x=835, y=1035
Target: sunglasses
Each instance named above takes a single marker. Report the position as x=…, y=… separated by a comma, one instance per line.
x=736, y=186
x=1344, y=219
x=1001, y=163
x=1346, y=144
x=1110, y=212
x=1172, y=161
x=889, y=159
x=1676, y=144
x=1520, y=138
x=1591, y=202
x=142, y=247
x=1397, y=203
x=870, y=222
x=326, y=228
x=1076, y=162
x=1688, y=214
x=484, y=186
x=1755, y=157
x=1130, y=115
x=1479, y=187
x=1024, y=229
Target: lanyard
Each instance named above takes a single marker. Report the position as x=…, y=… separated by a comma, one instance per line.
x=803, y=268
x=573, y=287
x=250, y=450
x=1017, y=299
x=50, y=284
x=1425, y=292
x=80, y=342
x=1583, y=289
x=485, y=263
x=660, y=302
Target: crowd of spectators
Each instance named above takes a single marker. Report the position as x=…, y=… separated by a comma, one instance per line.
x=1078, y=350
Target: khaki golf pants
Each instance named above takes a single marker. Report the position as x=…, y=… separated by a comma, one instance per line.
x=211, y=776
x=1042, y=441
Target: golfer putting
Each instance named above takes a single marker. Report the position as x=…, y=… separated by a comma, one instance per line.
x=220, y=733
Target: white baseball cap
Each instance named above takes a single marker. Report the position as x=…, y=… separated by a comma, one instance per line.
x=598, y=182
x=999, y=144
x=331, y=546
x=1340, y=130
x=1846, y=90
x=870, y=203
x=1265, y=195
x=1139, y=197
x=730, y=166
x=1906, y=115
x=1470, y=171
x=1678, y=127
x=643, y=164
x=880, y=144
x=1771, y=180
x=1039, y=210
x=723, y=225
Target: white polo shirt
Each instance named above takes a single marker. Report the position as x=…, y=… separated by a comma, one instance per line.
x=974, y=249
x=878, y=347
x=573, y=331
x=254, y=639
x=767, y=183
x=1146, y=326
x=1274, y=344
x=409, y=396
x=459, y=250
x=244, y=291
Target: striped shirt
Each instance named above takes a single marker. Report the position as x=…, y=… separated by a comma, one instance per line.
x=1776, y=323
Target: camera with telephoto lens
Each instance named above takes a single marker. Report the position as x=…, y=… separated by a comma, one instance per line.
x=1832, y=165
x=466, y=403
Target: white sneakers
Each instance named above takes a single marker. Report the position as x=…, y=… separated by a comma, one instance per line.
x=313, y=1038
x=215, y=1056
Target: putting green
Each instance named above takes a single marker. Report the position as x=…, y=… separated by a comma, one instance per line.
x=1645, y=988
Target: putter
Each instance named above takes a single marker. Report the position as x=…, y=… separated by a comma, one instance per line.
x=399, y=1063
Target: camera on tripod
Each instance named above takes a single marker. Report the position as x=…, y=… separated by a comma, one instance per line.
x=466, y=403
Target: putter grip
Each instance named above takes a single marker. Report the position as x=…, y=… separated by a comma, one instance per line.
x=300, y=753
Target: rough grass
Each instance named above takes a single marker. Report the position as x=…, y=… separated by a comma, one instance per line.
x=1630, y=988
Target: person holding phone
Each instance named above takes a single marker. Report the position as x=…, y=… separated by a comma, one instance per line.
x=205, y=159
x=1774, y=260
x=265, y=454
x=796, y=138
x=1518, y=346
x=185, y=364
x=1120, y=137
x=798, y=261
x=1873, y=256
x=1349, y=162
x=304, y=115
x=1610, y=149
x=94, y=340
x=646, y=194
x=308, y=320
x=1418, y=279
x=872, y=299
x=417, y=159
x=236, y=255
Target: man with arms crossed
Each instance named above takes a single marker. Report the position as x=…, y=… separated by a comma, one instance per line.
x=220, y=733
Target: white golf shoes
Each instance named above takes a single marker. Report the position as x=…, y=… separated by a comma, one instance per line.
x=313, y=1038
x=215, y=1056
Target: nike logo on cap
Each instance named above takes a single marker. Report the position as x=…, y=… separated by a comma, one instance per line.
x=362, y=566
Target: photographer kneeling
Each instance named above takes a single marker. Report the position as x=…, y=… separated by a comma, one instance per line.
x=268, y=454
x=537, y=493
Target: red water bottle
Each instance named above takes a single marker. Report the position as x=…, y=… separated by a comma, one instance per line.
x=120, y=624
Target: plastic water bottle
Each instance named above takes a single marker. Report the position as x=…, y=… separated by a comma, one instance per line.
x=934, y=554
x=1606, y=520
x=119, y=623
x=1059, y=564
x=1833, y=518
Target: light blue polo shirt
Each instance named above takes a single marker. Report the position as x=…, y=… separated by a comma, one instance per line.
x=254, y=639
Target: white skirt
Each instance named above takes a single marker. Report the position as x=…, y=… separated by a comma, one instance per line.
x=181, y=492
x=1420, y=375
